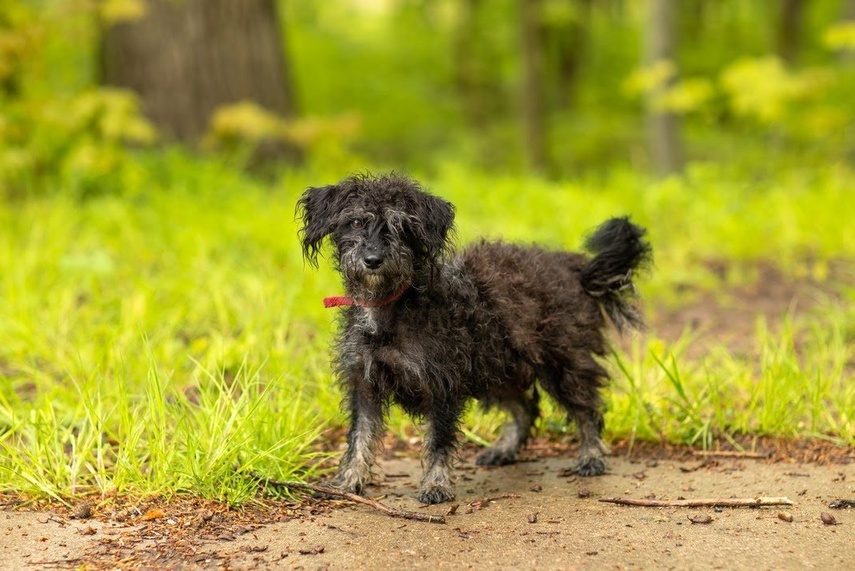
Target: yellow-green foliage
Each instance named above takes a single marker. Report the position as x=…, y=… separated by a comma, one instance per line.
x=79, y=142
x=242, y=126
x=117, y=11
x=840, y=36
x=658, y=82
x=762, y=89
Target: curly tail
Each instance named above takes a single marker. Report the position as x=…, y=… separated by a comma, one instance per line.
x=619, y=250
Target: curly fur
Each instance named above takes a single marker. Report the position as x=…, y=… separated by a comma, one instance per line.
x=492, y=323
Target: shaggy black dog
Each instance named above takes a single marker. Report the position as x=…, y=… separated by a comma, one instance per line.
x=429, y=330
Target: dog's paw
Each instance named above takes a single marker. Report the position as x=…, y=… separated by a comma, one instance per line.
x=435, y=495
x=590, y=466
x=496, y=457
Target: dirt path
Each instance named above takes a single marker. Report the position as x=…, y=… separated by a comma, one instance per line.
x=556, y=522
x=540, y=517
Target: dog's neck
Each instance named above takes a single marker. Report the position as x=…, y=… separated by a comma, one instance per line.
x=343, y=300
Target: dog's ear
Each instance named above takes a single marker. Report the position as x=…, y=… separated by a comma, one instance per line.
x=432, y=224
x=318, y=208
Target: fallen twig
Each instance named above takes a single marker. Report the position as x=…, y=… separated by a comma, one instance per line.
x=730, y=454
x=842, y=503
x=723, y=502
x=490, y=499
x=58, y=564
x=404, y=514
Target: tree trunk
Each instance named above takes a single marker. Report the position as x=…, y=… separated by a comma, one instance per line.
x=531, y=87
x=468, y=67
x=666, y=148
x=186, y=58
x=790, y=30
x=571, y=40
x=847, y=14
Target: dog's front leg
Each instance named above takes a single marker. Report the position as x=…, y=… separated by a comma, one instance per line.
x=366, y=429
x=438, y=454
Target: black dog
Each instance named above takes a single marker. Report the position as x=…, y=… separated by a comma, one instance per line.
x=429, y=330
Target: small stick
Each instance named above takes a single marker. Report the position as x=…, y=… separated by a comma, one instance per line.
x=724, y=502
x=842, y=503
x=489, y=499
x=354, y=498
x=730, y=454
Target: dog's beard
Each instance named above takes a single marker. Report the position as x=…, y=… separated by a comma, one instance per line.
x=372, y=285
x=373, y=282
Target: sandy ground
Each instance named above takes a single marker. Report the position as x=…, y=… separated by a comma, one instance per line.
x=539, y=517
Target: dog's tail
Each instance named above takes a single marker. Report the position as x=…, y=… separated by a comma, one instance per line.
x=619, y=250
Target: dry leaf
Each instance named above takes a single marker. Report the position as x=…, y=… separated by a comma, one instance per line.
x=153, y=513
x=312, y=551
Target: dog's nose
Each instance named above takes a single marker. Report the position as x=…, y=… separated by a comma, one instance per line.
x=372, y=261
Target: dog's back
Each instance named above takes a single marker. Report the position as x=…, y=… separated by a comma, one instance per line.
x=550, y=301
x=538, y=297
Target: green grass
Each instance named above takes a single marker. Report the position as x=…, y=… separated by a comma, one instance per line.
x=785, y=391
x=171, y=339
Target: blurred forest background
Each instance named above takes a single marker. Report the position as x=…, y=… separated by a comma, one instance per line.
x=548, y=87
x=159, y=327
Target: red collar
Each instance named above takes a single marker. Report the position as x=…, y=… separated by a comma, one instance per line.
x=339, y=300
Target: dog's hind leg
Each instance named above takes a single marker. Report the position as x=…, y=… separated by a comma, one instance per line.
x=438, y=454
x=589, y=422
x=524, y=410
x=366, y=429
x=578, y=392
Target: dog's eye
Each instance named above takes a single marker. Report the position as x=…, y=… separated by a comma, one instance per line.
x=357, y=224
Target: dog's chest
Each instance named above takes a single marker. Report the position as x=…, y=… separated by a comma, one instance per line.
x=413, y=355
x=397, y=366
x=405, y=363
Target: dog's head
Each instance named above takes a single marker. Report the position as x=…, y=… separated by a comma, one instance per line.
x=385, y=228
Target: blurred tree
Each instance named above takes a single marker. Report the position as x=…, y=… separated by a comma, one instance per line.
x=790, y=30
x=566, y=30
x=847, y=14
x=185, y=59
x=666, y=147
x=532, y=104
x=17, y=28
x=471, y=78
